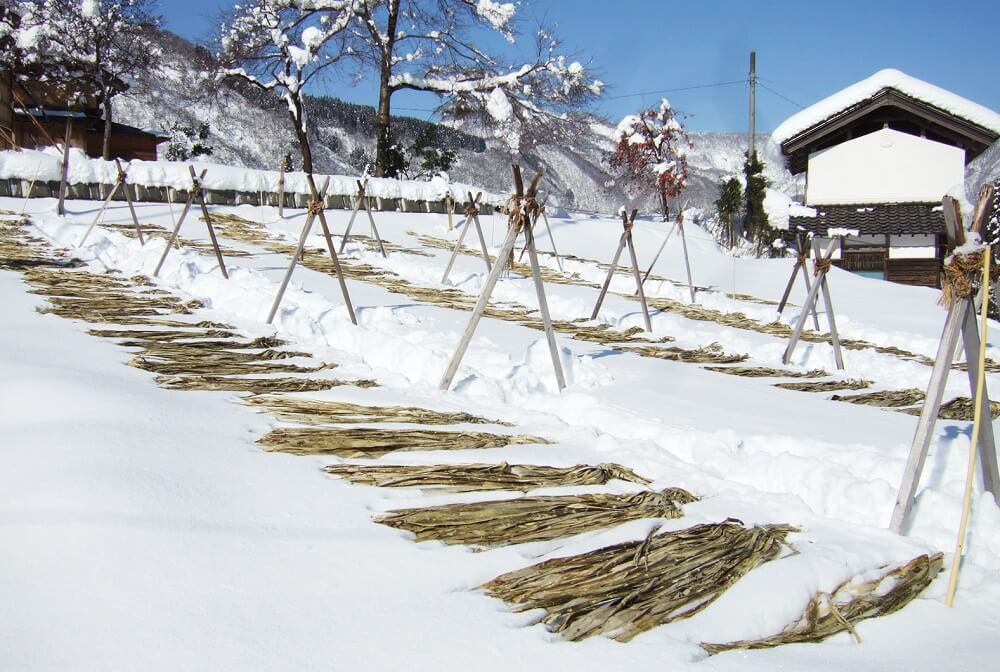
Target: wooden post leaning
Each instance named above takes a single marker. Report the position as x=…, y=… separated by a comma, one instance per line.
x=628, y=221
x=545, y=218
x=471, y=217
x=119, y=184
x=679, y=227
x=281, y=189
x=61, y=208
x=449, y=207
x=523, y=209
x=311, y=214
x=960, y=321
x=196, y=193
x=801, y=257
x=361, y=198
x=822, y=267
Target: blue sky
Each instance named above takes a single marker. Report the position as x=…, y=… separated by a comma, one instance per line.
x=805, y=51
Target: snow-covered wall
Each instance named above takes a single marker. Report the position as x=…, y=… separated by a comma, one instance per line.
x=886, y=166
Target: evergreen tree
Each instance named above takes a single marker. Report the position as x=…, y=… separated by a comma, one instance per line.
x=729, y=204
x=187, y=142
x=431, y=158
x=756, y=226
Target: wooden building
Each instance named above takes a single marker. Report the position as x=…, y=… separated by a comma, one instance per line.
x=38, y=116
x=878, y=158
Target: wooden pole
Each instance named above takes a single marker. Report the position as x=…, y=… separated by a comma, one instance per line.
x=281, y=191
x=350, y=222
x=200, y=195
x=61, y=208
x=663, y=246
x=100, y=212
x=330, y=248
x=449, y=206
x=128, y=199
x=306, y=227
x=517, y=221
x=960, y=320
x=472, y=216
x=545, y=218
x=684, y=246
x=177, y=228
x=543, y=306
x=809, y=304
x=977, y=418
x=173, y=216
x=371, y=220
x=838, y=355
x=607, y=278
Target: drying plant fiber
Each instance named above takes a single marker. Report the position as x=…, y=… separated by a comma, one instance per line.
x=185, y=346
x=766, y=372
x=255, y=385
x=623, y=590
x=709, y=354
x=219, y=363
x=526, y=519
x=830, y=613
x=473, y=477
x=315, y=412
x=959, y=408
x=146, y=336
x=884, y=399
x=354, y=443
x=826, y=385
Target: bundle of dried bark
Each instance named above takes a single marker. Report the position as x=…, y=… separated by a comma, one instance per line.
x=516, y=521
x=623, y=590
x=355, y=443
x=853, y=601
x=470, y=477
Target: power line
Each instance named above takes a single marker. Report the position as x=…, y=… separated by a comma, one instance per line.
x=674, y=90
x=782, y=96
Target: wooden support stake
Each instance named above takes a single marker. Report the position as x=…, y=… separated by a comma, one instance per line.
x=625, y=242
x=281, y=191
x=306, y=227
x=543, y=305
x=61, y=208
x=810, y=304
x=200, y=195
x=518, y=220
x=361, y=199
x=330, y=248
x=471, y=217
x=663, y=245
x=104, y=205
x=128, y=199
x=960, y=321
x=684, y=246
x=449, y=206
x=172, y=241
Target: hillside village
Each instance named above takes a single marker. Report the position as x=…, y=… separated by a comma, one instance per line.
x=290, y=382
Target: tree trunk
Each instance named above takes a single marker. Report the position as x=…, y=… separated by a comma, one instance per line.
x=663, y=204
x=383, y=130
x=383, y=120
x=300, y=132
x=106, y=150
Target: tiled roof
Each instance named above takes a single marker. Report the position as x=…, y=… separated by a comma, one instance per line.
x=873, y=219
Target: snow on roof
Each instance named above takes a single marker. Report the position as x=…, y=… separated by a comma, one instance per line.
x=883, y=79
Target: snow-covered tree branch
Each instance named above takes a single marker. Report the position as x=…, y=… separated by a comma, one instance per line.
x=282, y=45
x=430, y=46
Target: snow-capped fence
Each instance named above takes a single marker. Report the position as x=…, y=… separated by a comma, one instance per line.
x=37, y=174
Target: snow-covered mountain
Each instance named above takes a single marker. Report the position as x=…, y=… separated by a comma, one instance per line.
x=249, y=129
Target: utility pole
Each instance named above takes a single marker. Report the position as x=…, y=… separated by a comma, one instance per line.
x=753, y=100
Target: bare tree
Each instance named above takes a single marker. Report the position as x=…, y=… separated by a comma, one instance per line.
x=429, y=45
x=282, y=46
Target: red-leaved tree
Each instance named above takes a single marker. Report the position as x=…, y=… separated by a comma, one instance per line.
x=651, y=154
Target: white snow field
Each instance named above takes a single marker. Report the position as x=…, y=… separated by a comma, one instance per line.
x=145, y=529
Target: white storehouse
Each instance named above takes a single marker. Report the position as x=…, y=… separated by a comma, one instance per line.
x=878, y=158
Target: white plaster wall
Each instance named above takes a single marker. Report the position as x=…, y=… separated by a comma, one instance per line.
x=886, y=166
x=920, y=246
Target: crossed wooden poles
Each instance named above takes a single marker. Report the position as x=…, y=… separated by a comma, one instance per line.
x=471, y=217
x=196, y=193
x=360, y=199
x=545, y=218
x=961, y=320
x=628, y=221
x=800, y=264
x=523, y=213
x=822, y=267
x=119, y=184
x=315, y=210
x=679, y=227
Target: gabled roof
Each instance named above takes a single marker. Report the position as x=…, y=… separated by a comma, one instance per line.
x=888, y=96
x=872, y=220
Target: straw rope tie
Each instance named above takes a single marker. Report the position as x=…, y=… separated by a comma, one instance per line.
x=821, y=266
x=471, y=211
x=314, y=207
x=957, y=281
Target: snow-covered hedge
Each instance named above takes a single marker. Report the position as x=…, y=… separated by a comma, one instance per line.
x=46, y=166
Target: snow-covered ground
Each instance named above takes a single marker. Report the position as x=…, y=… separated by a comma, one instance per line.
x=145, y=529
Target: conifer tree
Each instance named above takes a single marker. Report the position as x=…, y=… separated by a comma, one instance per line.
x=729, y=204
